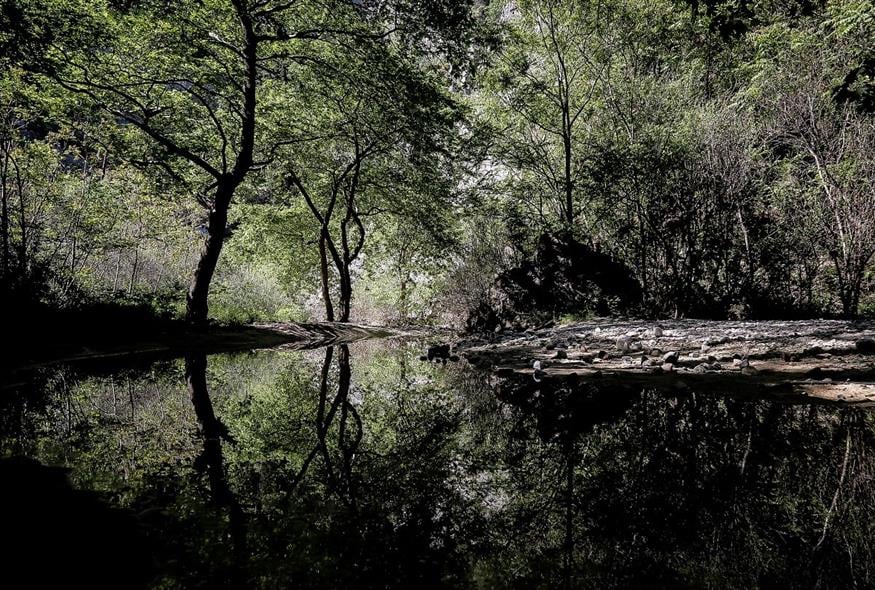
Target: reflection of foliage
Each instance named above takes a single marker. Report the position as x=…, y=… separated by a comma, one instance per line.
x=379, y=471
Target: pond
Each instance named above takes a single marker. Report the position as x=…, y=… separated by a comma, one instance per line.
x=361, y=466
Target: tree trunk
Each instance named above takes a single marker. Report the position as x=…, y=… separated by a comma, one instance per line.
x=850, y=296
x=323, y=269
x=402, y=299
x=197, y=308
x=345, y=293
x=4, y=212
x=850, y=280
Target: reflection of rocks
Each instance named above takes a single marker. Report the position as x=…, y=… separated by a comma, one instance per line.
x=565, y=406
x=439, y=353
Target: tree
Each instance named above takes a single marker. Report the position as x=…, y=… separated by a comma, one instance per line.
x=547, y=83
x=835, y=147
x=191, y=81
x=371, y=141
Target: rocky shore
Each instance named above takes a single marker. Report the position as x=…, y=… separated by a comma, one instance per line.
x=830, y=359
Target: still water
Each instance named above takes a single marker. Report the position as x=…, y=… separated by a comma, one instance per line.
x=361, y=466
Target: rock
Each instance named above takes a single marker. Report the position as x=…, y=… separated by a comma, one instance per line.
x=560, y=354
x=654, y=352
x=438, y=352
x=550, y=346
x=748, y=370
x=700, y=368
x=657, y=332
x=865, y=346
x=812, y=351
x=623, y=344
x=671, y=357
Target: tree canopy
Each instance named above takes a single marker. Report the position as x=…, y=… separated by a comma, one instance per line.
x=391, y=161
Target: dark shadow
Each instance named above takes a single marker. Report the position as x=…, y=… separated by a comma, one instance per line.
x=55, y=536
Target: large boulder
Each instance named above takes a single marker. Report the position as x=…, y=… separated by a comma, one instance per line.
x=563, y=276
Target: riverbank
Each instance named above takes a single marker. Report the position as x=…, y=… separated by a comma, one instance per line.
x=72, y=342
x=833, y=360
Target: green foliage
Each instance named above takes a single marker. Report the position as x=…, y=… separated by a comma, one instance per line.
x=437, y=142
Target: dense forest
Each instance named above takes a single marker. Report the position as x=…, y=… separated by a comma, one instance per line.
x=437, y=293
x=400, y=162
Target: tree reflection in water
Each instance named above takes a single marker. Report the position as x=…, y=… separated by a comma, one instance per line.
x=323, y=469
x=213, y=433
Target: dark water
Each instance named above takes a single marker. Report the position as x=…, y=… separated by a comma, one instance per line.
x=362, y=467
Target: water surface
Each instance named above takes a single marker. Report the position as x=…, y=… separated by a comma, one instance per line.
x=362, y=467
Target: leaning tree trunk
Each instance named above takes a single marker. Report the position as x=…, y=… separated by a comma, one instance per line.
x=197, y=307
